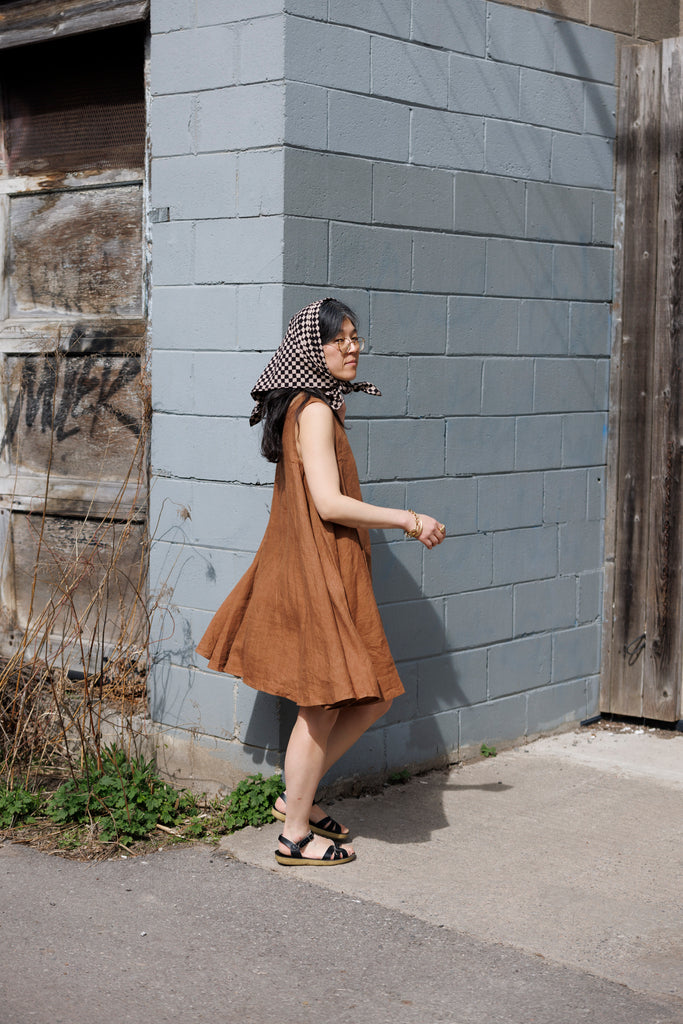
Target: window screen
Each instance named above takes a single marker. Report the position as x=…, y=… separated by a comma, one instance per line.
x=75, y=104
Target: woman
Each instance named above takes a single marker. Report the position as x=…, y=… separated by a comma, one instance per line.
x=303, y=622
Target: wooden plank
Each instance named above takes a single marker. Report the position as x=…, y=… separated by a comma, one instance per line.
x=76, y=252
x=74, y=335
x=638, y=156
x=661, y=693
x=38, y=20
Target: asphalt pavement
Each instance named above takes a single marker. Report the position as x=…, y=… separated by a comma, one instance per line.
x=536, y=887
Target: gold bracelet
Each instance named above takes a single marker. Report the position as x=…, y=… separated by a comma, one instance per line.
x=415, y=533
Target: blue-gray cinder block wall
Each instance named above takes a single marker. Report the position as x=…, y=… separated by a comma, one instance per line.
x=446, y=167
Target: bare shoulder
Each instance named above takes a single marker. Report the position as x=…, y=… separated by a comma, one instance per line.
x=316, y=414
x=315, y=428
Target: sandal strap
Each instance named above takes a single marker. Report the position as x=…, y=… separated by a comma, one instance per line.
x=330, y=825
x=334, y=852
x=296, y=848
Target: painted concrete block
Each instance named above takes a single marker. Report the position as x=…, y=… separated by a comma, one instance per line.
x=580, y=546
x=559, y=213
x=603, y=218
x=483, y=87
x=510, y=501
x=521, y=555
x=576, y=652
x=327, y=55
x=316, y=9
x=426, y=740
x=585, y=52
x=478, y=618
x=367, y=755
x=564, y=495
x=403, y=708
x=261, y=48
x=451, y=500
x=557, y=705
x=448, y=263
x=305, y=250
x=401, y=449
x=551, y=100
x=370, y=257
x=328, y=186
x=464, y=564
x=582, y=273
x=388, y=17
x=187, y=697
x=596, y=493
x=544, y=605
x=412, y=196
x=538, y=442
x=658, y=19
x=259, y=316
x=195, y=576
x=519, y=666
x=260, y=183
x=305, y=116
x=612, y=14
x=397, y=572
x=390, y=375
x=602, y=372
x=207, y=448
x=584, y=439
x=211, y=383
x=452, y=24
x=194, y=59
x=262, y=720
x=174, y=249
x=231, y=516
x=519, y=268
x=172, y=125
x=404, y=71
x=590, y=329
x=194, y=317
x=415, y=629
x=239, y=250
x=194, y=187
x=244, y=117
x=507, y=387
x=439, y=138
x=543, y=327
x=480, y=444
x=408, y=322
x=583, y=160
x=494, y=722
x=171, y=15
x=521, y=37
x=564, y=385
x=444, y=386
x=484, y=326
x=451, y=681
x=368, y=126
x=217, y=12
x=590, y=596
x=487, y=205
x=390, y=494
x=600, y=110
x=518, y=150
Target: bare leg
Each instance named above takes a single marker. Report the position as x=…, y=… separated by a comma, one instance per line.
x=304, y=766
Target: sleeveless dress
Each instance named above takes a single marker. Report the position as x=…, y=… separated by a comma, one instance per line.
x=303, y=622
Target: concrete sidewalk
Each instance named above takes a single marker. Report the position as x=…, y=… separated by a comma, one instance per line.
x=538, y=887
x=570, y=848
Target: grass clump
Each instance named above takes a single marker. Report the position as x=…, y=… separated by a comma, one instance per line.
x=251, y=801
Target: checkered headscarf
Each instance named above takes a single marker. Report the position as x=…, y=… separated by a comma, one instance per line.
x=300, y=363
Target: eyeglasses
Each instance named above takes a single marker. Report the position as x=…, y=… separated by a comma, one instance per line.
x=346, y=346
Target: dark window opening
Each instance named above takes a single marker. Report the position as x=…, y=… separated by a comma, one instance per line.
x=75, y=104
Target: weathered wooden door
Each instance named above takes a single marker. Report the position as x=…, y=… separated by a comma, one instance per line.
x=72, y=328
x=643, y=649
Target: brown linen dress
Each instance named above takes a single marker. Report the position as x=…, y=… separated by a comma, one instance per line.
x=303, y=622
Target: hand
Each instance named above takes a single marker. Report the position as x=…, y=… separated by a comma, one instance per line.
x=433, y=532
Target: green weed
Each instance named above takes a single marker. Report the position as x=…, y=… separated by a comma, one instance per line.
x=251, y=801
x=17, y=805
x=487, y=751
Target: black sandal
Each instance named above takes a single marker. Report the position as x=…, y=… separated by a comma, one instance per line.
x=327, y=827
x=333, y=854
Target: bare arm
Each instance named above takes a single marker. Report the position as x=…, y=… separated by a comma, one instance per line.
x=316, y=447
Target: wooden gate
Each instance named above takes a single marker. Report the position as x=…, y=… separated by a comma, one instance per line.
x=643, y=641
x=72, y=329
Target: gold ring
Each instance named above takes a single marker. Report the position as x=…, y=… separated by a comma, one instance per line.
x=441, y=527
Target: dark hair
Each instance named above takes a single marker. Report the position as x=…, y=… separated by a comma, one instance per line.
x=276, y=403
